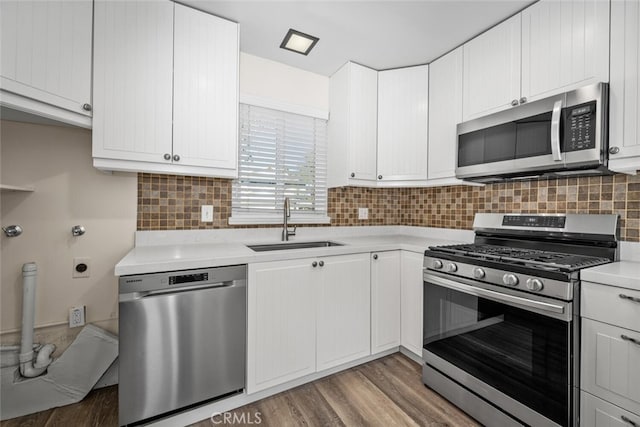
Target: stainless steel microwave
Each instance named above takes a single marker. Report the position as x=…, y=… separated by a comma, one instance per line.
x=566, y=134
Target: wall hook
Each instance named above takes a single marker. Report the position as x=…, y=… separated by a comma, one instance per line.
x=78, y=230
x=12, y=230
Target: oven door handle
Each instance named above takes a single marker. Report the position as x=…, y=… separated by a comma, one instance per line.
x=497, y=296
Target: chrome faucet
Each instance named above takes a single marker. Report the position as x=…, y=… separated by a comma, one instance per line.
x=285, y=226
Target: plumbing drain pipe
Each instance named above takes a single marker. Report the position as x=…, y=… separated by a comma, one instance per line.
x=43, y=359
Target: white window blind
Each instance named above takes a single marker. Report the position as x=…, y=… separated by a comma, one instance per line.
x=280, y=155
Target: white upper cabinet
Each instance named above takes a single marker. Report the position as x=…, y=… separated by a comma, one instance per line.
x=352, y=130
x=565, y=45
x=624, y=139
x=492, y=70
x=165, y=90
x=205, y=93
x=45, y=62
x=133, y=79
x=403, y=103
x=445, y=112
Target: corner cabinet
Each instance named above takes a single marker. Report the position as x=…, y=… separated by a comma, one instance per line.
x=352, y=129
x=385, y=301
x=445, y=112
x=624, y=138
x=45, y=62
x=165, y=90
x=304, y=316
x=403, y=104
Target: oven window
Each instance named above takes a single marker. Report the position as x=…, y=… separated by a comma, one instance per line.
x=522, y=354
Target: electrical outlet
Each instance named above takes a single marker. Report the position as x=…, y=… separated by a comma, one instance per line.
x=363, y=213
x=76, y=316
x=207, y=213
x=81, y=267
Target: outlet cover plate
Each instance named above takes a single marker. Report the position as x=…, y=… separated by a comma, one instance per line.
x=78, y=270
x=207, y=213
x=77, y=316
x=363, y=213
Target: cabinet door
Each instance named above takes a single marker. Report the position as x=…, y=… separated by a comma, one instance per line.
x=565, y=45
x=344, y=309
x=402, y=123
x=610, y=361
x=625, y=85
x=445, y=112
x=281, y=322
x=133, y=74
x=596, y=412
x=385, y=301
x=492, y=70
x=411, y=286
x=205, y=90
x=363, y=119
x=46, y=51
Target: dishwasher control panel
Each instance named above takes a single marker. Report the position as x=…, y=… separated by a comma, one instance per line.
x=188, y=278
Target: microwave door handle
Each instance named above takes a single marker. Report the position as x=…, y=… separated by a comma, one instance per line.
x=555, y=131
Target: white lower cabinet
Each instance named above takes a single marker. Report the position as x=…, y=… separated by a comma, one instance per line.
x=343, y=309
x=611, y=364
x=281, y=329
x=595, y=412
x=306, y=315
x=385, y=300
x=411, y=300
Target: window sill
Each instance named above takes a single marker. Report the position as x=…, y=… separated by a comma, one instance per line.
x=293, y=220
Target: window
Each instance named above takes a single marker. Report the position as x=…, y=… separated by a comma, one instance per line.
x=280, y=155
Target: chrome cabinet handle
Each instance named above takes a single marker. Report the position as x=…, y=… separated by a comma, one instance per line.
x=12, y=230
x=631, y=340
x=314, y=264
x=629, y=298
x=87, y=107
x=375, y=256
x=555, y=131
x=167, y=156
x=628, y=421
x=614, y=150
x=176, y=158
x=353, y=175
x=321, y=263
x=523, y=100
x=514, y=103
x=379, y=176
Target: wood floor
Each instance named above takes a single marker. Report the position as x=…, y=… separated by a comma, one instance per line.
x=384, y=392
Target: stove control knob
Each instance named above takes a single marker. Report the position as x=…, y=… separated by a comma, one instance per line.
x=478, y=273
x=510, y=279
x=452, y=268
x=535, y=285
x=437, y=264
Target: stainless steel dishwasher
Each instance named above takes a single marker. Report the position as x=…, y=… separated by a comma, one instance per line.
x=182, y=339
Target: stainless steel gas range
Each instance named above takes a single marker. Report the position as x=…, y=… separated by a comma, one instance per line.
x=501, y=326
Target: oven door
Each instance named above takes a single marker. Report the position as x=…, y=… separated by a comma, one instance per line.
x=513, y=351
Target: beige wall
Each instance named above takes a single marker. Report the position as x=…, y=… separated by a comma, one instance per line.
x=273, y=80
x=68, y=191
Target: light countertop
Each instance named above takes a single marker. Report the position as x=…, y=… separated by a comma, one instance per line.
x=623, y=274
x=181, y=252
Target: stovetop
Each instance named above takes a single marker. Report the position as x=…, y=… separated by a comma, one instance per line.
x=529, y=258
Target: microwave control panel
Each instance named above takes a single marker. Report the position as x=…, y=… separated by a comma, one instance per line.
x=580, y=127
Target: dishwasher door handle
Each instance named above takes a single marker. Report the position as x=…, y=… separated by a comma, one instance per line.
x=133, y=296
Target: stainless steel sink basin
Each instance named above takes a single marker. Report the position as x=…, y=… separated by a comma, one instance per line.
x=292, y=245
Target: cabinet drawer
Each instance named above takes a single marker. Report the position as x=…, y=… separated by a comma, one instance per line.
x=610, y=360
x=611, y=305
x=596, y=412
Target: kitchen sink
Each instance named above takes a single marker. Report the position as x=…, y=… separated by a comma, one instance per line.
x=292, y=245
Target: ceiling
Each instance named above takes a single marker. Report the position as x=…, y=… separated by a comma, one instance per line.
x=378, y=34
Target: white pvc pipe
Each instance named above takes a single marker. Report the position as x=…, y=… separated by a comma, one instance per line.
x=27, y=368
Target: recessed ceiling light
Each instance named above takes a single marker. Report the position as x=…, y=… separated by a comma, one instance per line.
x=298, y=42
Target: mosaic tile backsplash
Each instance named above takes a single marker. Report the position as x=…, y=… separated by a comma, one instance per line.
x=169, y=202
